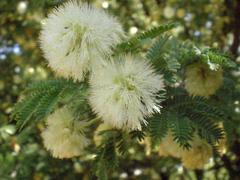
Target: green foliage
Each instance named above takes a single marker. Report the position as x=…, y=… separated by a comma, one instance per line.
x=122, y=143
x=7, y=162
x=156, y=31
x=169, y=58
x=41, y=100
x=106, y=159
x=208, y=129
x=189, y=53
x=168, y=54
x=158, y=127
x=137, y=134
x=155, y=52
x=134, y=43
x=202, y=114
x=164, y=54
x=214, y=58
x=184, y=115
x=181, y=130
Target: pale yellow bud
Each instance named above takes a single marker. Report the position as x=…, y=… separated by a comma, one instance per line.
x=202, y=81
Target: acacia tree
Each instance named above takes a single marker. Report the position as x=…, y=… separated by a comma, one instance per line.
x=123, y=103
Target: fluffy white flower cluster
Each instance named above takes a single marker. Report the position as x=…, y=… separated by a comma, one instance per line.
x=195, y=158
x=76, y=39
x=64, y=136
x=75, y=35
x=124, y=92
x=201, y=80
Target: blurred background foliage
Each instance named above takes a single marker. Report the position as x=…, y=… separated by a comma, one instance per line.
x=214, y=23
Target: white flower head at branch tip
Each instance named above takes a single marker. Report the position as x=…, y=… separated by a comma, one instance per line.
x=75, y=34
x=125, y=91
x=64, y=137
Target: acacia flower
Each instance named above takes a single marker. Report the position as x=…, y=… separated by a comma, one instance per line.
x=125, y=91
x=201, y=80
x=64, y=136
x=195, y=158
x=198, y=155
x=74, y=35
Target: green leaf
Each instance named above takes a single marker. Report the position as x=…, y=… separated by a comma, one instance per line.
x=158, y=126
x=25, y=109
x=41, y=99
x=156, y=31
x=133, y=43
x=219, y=58
x=155, y=52
x=122, y=145
x=106, y=159
x=203, y=115
x=165, y=57
x=182, y=130
x=186, y=105
x=136, y=134
x=208, y=129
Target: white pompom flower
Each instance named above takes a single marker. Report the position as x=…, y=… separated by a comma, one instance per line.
x=195, y=158
x=74, y=35
x=125, y=91
x=201, y=80
x=198, y=156
x=64, y=136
